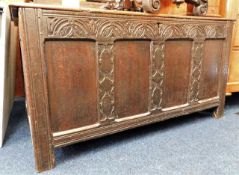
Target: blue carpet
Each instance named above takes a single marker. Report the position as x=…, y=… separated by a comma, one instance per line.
x=195, y=144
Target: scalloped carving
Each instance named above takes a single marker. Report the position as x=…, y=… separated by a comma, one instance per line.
x=157, y=75
x=196, y=71
x=142, y=30
x=67, y=28
x=171, y=31
x=112, y=29
x=106, y=82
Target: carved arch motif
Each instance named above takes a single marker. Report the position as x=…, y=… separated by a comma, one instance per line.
x=142, y=30
x=111, y=29
x=68, y=28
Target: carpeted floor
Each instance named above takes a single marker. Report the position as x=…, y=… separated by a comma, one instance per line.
x=191, y=145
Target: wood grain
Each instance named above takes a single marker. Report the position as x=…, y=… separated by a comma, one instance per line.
x=131, y=61
x=71, y=67
x=210, y=77
x=177, y=72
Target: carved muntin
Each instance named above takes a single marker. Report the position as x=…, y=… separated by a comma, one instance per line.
x=106, y=81
x=157, y=75
x=196, y=70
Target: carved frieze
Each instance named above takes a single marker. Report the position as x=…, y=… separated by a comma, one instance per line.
x=111, y=29
x=192, y=31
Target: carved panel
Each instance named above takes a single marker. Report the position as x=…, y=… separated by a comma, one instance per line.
x=167, y=31
x=136, y=29
x=157, y=51
x=106, y=82
x=68, y=27
x=196, y=71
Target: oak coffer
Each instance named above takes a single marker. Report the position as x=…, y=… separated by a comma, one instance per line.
x=90, y=72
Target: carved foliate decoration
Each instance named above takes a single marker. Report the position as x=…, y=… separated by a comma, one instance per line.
x=111, y=29
x=192, y=31
x=204, y=31
x=214, y=31
x=170, y=31
x=67, y=28
x=106, y=82
x=157, y=50
x=108, y=29
x=197, y=59
x=141, y=30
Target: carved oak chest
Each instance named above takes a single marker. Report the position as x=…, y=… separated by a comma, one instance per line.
x=89, y=73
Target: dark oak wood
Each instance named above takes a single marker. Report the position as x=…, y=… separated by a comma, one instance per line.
x=210, y=65
x=177, y=56
x=90, y=73
x=79, y=91
x=132, y=60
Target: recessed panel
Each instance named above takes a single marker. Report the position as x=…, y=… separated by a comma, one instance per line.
x=72, y=83
x=177, y=72
x=211, y=62
x=132, y=60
